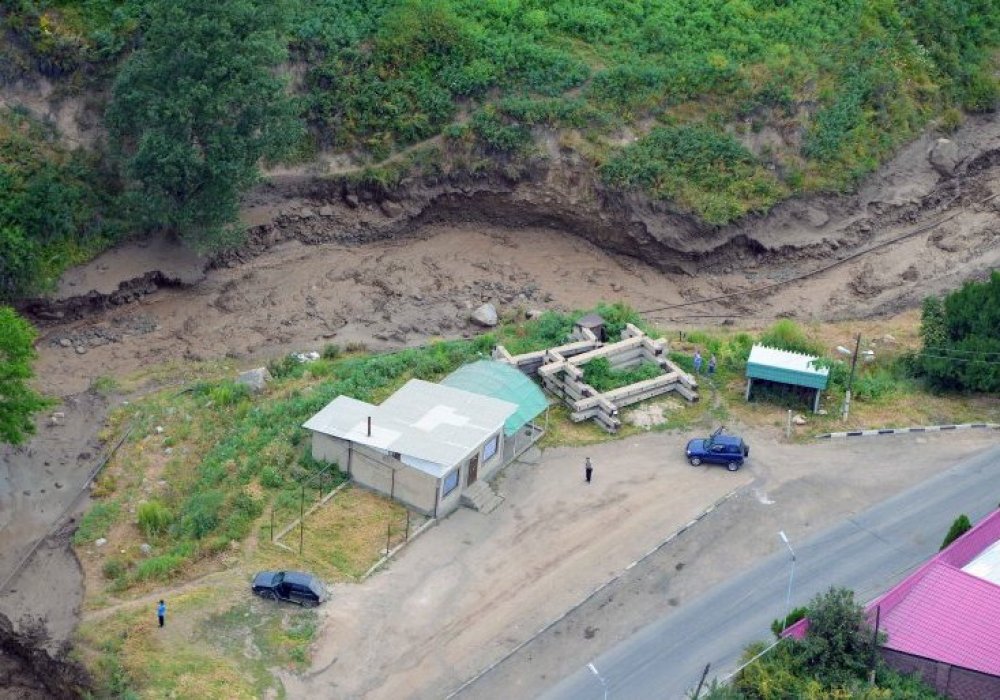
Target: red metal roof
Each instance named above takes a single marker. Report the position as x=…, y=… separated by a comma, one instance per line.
x=941, y=612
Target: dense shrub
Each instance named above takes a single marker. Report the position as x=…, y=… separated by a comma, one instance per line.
x=154, y=518
x=961, y=338
x=957, y=529
x=600, y=375
x=785, y=334
x=200, y=514
x=161, y=568
x=96, y=522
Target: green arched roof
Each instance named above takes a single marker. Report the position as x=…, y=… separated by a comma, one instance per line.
x=501, y=381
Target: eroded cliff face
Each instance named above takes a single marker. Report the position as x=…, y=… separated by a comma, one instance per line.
x=557, y=190
x=28, y=672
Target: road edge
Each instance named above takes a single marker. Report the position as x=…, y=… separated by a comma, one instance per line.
x=583, y=601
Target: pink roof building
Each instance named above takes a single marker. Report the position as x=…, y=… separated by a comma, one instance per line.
x=943, y=620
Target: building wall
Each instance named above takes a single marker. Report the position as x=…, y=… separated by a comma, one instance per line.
x=330, y=449
x=414, y=488
x=389, y=476
x=953, y=681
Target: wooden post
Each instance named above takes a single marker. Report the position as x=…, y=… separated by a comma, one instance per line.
x=704, y=675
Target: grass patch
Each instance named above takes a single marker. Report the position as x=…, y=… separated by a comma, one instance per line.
x=600, y=374
x=96, y=522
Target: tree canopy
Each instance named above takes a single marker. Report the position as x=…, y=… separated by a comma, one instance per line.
x=195, y=109
x=18, y=402
x=961, y=338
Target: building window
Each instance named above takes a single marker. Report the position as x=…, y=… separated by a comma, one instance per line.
x=491, y=447
x=449, y=484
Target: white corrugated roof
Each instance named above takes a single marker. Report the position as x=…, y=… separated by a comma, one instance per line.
x=785, y=359
x=435, y=425
x=986, y=565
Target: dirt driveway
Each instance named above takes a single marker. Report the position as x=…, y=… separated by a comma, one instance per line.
x=476, y=585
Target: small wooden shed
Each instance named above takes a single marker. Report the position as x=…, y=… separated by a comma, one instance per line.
x=594, y=324
x=784, y=367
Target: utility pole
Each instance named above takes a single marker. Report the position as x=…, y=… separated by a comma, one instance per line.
x=850, y=379
x=704, y=675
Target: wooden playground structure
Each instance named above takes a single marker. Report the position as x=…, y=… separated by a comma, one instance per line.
x=560, y=370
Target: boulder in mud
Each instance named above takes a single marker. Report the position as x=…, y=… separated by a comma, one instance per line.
x=944, y=157
x=390, y=208
x=255, y=379
x=485, y=316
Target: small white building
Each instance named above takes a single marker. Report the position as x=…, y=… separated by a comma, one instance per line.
x=423, y=446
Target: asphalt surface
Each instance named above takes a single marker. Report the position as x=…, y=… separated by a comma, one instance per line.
x=867, y=553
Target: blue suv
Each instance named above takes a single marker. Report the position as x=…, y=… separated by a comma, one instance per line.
x=730, y=450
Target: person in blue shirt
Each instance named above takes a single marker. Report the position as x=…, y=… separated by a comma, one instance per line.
x=161, y=612
x=697, y=362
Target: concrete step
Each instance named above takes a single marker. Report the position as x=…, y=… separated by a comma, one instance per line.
x=480, y=497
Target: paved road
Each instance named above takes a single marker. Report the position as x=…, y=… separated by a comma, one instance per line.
x=867, y=553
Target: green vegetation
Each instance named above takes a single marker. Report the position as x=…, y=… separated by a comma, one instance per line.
x=154, y=518
x=600, y=375
x=56, y=206
x=18, y=402
x=195, y=109
x=722, y=108
x=833, y=660
x=961, y=339
x=957, y=529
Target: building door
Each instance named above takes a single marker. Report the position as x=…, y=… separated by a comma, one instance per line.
x=473, y=470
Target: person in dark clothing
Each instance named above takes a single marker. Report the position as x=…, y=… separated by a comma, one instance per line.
x=588, y=470
x=161, y=612
x=711, y=366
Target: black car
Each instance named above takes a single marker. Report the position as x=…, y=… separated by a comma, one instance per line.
x=293, y=586
x=729, y=450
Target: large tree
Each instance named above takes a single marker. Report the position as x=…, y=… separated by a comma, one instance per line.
x=18, y=402
x=195, y=109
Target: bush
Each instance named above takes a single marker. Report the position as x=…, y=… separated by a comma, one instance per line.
x=161, y=568
x=271, y=478
x=785, y=334
x=114, y=569
x=154, y=518
x=331, y=351
x=600, y=375
x=228, y=393
x=957, y=529
x=781, y=624
x=96, y=522
x=200, y=514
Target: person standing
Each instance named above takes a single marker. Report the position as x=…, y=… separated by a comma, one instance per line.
x=588, y=470
x=711, y=365
x=161, y=612
x=697, y=362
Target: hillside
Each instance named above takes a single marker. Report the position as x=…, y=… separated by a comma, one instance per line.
x=718, y=110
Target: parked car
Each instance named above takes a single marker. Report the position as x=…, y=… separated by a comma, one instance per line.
x=730, y=450
x=294, y=586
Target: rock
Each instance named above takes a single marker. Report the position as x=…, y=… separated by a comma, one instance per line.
x=101, y=541
x=911, y=273
x=351, y=200
x=159, y=430
x=255, y=379
x=58, y=485
x=821, y=412
x=65, y=342
x=944, y=157
x=80, y=350
x=485, y=315
x=145, y=549
x=168, y=451
x=326, y=211
x=888, y=339
x=799, y=419
x=307, y=213
x=390, y=208
x=533, y=313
